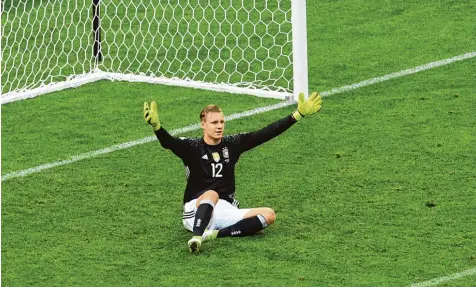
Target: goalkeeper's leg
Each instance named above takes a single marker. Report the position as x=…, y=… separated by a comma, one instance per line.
x=253, y=221
x=205, y=205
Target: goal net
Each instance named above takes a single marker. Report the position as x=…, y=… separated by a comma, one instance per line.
x=236, y=46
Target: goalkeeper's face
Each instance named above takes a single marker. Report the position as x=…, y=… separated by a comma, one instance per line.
x=213, y=126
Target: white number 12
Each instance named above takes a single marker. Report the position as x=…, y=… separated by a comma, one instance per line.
x=216, y=169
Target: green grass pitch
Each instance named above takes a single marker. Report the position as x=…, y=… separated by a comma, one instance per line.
x=378, y=189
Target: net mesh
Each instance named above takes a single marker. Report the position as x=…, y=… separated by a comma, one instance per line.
x=239, y=43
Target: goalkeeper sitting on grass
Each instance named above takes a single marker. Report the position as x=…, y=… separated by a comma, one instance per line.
x=210, y=208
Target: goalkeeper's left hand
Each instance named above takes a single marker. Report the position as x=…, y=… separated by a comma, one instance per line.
x=307, y=107
x=151, y=115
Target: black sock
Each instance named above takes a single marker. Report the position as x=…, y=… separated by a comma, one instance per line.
x=202, y=217
x=245, y=227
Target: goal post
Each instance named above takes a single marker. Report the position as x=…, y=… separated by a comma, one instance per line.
x=299, y=38
x=236, y=46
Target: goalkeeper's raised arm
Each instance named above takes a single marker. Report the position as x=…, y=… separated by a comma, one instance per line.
x=177, y=145
x=305, y=108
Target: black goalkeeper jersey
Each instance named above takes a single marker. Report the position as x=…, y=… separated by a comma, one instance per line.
x=212, y=167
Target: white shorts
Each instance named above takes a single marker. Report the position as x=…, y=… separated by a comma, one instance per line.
x=224, y=214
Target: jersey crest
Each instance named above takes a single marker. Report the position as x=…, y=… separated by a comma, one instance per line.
x=225, y=153
x=216, y=156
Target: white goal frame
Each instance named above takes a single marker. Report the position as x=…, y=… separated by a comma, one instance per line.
x=299, y=67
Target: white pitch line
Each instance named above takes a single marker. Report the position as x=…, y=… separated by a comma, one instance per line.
x=437, y=281
x=373, y=81
x=401, y=73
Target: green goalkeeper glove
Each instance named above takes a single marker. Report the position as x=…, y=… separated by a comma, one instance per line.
x=307, y=107
x=151, y=115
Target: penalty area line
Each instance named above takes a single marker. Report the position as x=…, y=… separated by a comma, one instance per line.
x=372, y=81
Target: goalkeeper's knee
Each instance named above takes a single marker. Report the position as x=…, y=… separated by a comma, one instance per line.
x=269, y=215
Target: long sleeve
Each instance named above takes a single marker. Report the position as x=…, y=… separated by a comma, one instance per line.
x=251, y=140
x=178, y=146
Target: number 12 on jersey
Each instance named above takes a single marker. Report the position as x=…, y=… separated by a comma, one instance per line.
x=216, y=169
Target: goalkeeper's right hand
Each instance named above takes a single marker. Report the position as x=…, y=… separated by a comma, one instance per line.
x=151, y=115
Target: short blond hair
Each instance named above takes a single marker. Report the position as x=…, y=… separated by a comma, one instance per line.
x=209, y=109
